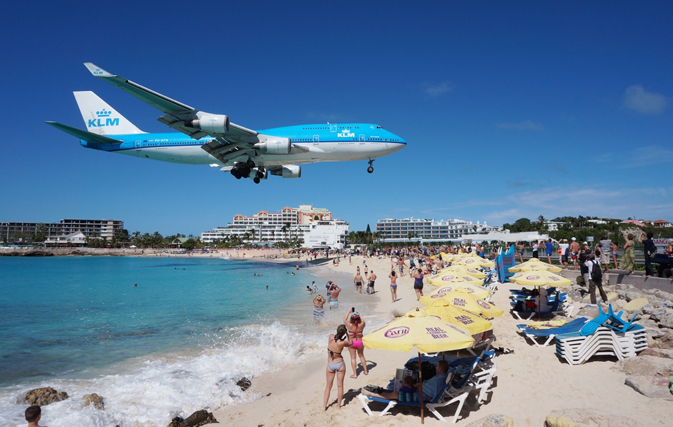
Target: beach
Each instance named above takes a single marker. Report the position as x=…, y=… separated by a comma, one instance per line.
x=530, y=382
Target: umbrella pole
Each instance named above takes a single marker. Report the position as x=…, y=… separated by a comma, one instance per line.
x=420, y=384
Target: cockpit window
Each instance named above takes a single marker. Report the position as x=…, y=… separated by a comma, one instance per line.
x=379, y=127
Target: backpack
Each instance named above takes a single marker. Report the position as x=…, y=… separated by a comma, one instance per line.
x=596, y=272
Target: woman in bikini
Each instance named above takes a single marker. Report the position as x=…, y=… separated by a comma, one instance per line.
x=355, y=326
x=335, y=363
x=393, y=285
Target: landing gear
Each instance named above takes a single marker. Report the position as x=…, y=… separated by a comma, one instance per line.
x=370, y=169
x=248, y=169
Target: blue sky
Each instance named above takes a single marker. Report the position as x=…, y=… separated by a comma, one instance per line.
x=510, y=109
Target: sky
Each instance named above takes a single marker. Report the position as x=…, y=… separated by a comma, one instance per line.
x=509, y=109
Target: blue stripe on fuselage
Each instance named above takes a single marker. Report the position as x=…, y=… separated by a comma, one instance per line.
x=325, y=133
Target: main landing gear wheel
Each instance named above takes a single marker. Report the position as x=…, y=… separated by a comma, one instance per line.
x=370, y=169
x=256, y=180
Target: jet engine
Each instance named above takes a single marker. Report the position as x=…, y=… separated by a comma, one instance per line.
x=275, y=146
x=291, y=171
x=212, y=123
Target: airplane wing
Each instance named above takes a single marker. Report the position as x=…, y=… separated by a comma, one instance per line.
x=230, y=138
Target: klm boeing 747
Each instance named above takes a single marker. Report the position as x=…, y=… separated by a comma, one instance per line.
x=211, y=139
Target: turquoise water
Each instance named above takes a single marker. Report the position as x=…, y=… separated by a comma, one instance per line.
x=187, y=332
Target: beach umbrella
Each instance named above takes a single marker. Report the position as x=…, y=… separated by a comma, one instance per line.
x=463, y=269
x=474, y=323
x=477, y=291
x=535, y=266
x=429, y=334
x=539, y=278
x=467, y=301
x=474, y=261
x=453, y=277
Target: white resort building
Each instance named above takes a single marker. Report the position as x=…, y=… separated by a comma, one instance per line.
x=428, y=229
x=314, y=225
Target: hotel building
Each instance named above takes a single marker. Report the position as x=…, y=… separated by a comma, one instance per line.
x=428, y=229
x=314, y=225
x=18, y=232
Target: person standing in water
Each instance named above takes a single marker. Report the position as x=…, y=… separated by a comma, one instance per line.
x=358, y=281
x=355, y=326
x=318, y=310
x=335, y=363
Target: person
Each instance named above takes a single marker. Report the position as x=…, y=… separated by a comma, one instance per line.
x=519, y=249
x=33, y=415
x=418, y=283
x=564, y=247
x=548, y=248
x=366, y=270
x=356, y=325
x=574, y=252
x=606, y=248
x=372, y=281
x=649, y=250
x=357, y=280
x=536, y=247
x=135, y=286
x=314, y=287
x=583, y=257
x=432, y=388
x=592, y=263
x=393, y=285
x=400, y=265
x=309, y=290
x=615, y=252
x=629, y=257
x=334, y=293
x=318, y=310
x=335, y=363
x=669, y=247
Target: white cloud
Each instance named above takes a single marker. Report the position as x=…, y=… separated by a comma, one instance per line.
x=525, y=125
x=637, y=98
x=436, y=89
x=646, y=156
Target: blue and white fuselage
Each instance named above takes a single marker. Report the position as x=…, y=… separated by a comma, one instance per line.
x=321, y=142
x=211, y=139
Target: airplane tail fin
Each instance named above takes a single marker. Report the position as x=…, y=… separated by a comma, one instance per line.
x=100, y=118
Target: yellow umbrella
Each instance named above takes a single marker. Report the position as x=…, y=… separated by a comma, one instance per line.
x=474, y=261
x=453, y=277
x=539, y=278
x=467, y=301
x=428, y=334
x=477, y=291
x=459, y=317
x=535, y=266
x=463, y=269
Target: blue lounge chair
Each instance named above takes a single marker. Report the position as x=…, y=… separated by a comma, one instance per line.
x=549, y=333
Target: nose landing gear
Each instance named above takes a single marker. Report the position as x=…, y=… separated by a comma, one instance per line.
x=370, y=169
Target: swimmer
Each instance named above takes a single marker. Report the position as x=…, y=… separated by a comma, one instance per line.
x=135, y=286
x=355, y=326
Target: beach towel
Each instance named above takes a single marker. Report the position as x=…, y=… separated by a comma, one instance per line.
x=502, y=264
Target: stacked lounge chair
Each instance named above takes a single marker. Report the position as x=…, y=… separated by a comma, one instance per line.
x=606, y=335
x=537, y=335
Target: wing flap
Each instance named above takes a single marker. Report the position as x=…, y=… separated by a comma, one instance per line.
x=82, y=134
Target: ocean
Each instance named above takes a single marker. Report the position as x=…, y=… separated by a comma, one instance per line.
x=176, y=343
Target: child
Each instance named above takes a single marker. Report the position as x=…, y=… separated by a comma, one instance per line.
x=33, y=415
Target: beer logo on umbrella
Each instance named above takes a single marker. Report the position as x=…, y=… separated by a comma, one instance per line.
x=484, y=304
x=533, y=277
x=397, y=332
x=447, y=278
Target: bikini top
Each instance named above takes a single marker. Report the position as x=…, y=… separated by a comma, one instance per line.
x=332, y=353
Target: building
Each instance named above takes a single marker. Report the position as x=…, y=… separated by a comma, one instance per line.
x=74, y=239
x=304, y=222
x=20, y=232
x=662, y=223
x=427, y=229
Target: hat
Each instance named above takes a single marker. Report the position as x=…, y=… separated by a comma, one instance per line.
x=585, y=243
x=355, y=315
x=574, y=238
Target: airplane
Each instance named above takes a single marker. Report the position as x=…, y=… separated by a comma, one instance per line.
x=211, y=139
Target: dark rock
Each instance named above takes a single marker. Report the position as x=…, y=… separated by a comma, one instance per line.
x=95, y=400
x=244, y=383
x=652, y=386
x=666, y=341
x=587, y=417
x=44, y=396
x=493, y=421
x=197, y=419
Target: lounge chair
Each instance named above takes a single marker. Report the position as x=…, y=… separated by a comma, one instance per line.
x=527, y=315
x=550, y=333
x=577, y=348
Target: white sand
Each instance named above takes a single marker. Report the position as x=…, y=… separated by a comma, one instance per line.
x=529, y=383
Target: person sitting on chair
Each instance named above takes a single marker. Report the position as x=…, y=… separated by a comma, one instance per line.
x=432, y=388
